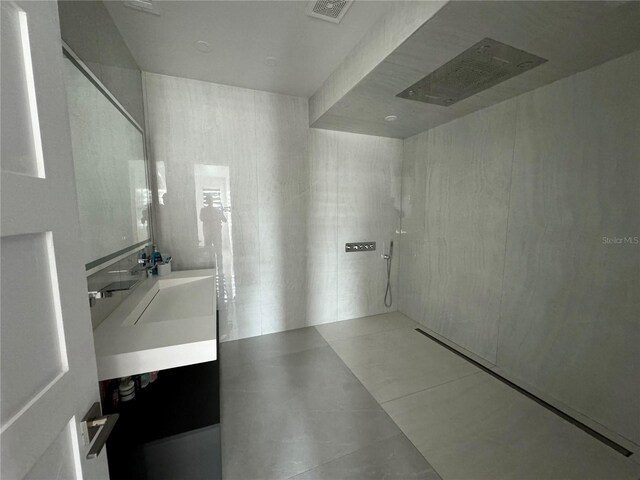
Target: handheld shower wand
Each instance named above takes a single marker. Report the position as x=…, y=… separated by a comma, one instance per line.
x=388, y=299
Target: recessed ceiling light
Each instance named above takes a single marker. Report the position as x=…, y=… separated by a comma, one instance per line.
x=271, y=61
x=202, y=46
x=390, y=118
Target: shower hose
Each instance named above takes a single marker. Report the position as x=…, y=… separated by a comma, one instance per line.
x=388, y=298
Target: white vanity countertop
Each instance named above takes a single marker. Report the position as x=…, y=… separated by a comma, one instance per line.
x=166, y=322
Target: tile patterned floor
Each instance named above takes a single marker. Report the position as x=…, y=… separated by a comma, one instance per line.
x=467, y=424
x=371, y=398
x=291, y=407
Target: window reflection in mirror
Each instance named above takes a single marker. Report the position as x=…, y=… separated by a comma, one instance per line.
x=213, y=204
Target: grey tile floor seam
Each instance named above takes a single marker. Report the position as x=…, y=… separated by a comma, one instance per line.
x=429, y=388
x=391, y=458
x=290, y=406
x=471, y=426
x=396, y=362
x=359, y=327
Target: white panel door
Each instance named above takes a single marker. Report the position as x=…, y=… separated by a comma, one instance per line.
x=48, y=369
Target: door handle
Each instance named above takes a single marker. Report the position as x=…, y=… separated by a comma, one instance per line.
x=95, y=423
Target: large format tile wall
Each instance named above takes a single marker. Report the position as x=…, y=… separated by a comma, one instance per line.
x=506, y=213
x=292, y=196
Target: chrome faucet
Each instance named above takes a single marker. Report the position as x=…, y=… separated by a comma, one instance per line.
x=108, y=291
x=97, y=294
x=141, y=267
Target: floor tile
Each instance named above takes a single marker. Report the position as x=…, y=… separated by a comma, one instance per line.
x=288, y=408
x=399, y=362
x=256, y=349
x=391, y=458
x=280, y=444
x=479, y=428
x=365, y=325
x=313, y=380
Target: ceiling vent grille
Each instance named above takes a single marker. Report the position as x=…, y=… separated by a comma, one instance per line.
x=146, y=6
x=485, y=64
x=329, y=10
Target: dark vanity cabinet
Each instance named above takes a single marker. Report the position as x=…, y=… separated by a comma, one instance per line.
x=171, y=429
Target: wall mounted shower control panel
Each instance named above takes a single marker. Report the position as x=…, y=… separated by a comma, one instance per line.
x=360, y=247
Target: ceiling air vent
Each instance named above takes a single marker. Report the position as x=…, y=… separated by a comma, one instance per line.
x=478, y=68
x=146, y=6
x=329, y=10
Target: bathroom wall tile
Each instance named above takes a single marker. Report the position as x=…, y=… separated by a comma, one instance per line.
x=412, y=276
x=322, y=307
x=240, y=320
x=198, y=141
x=322, y=247
x=368, y=185
x=454, y=257
x=282, y=156
x=461, y=293
x=468, y=176
x=283, y=190
x=322, y=207
x=570, y=327
x=362, y=287
x=245, y=258
x=569, y=323
x=286, y=314
x=414, y=188
x=321, y=296
x=283, y=278
x=322, y=228
x=292, y=196
x=197, y=137
x=561, y=316
x=410, y=258
x=283, y=281
x=369, y=170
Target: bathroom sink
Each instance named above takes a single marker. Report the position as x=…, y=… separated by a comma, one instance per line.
x=174, y=299
x=166, y=322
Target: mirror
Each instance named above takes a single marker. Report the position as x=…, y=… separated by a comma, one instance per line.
x=110, y=168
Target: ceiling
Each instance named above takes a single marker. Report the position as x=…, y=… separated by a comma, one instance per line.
x=242, y=34
x=572, y=36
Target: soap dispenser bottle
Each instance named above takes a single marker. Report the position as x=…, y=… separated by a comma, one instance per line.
x=156, y=258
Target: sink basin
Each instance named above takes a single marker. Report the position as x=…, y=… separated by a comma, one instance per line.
x=166, y=322
x=178, y=300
